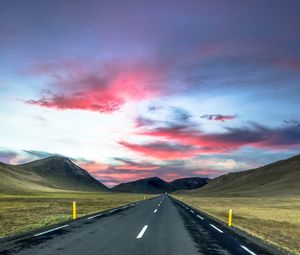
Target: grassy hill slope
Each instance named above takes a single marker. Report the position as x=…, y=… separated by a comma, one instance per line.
x=279, y=178
x=14, y=179
x=51, y=174
x=189, y=183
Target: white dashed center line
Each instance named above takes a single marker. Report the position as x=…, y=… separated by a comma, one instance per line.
x=216, y=228
x=200, y=217
x=95, y=216
x=246, y=249
x=155, y=210
x=192, y=211
x=140, y=235
x=51, y=230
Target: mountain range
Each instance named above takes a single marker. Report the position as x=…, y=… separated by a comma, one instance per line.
x=155, y=185
x=58, y=173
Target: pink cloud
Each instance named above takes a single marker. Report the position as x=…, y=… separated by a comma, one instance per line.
x=120, y=177
x=104, y=88
x=94, y=167
x=180, y=142
x=137, y=168
x=162, y=151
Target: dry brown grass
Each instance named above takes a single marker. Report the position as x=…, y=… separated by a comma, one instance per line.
x=275, y=220
x=20, y=213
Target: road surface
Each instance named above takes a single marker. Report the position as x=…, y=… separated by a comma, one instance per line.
x=156, y=226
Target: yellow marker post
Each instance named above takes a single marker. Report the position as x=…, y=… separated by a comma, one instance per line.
x=74, y=211
x=230, y=218
x=144, y=197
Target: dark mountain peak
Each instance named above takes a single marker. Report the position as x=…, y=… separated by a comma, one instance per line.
x=58, y=164
x=189, y=183
x=147, y=180
x=152, y=178
x=155, y=179
x=55, y=158
x=151, y=185
x=63, y=171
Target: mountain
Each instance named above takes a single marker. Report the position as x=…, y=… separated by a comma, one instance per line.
x=279, y=178
x=155, y=185
x=14, y=179
x=189, y=183
x=49, y=174
x=62, y=173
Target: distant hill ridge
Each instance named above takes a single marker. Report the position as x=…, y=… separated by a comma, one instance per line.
x=278, y=178
x=49, y=174
x=155, y=185
x=58, y=173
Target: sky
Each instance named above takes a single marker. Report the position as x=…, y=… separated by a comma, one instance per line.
x=133, y=89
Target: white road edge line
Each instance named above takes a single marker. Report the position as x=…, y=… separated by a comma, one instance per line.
x=140, y=235
x=246, y=249
x=200, y=217
x=216, y=228
x=95, y=216
x=51, y=230
x=155, y=210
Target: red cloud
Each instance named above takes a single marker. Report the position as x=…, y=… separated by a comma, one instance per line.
x=101, y=103
x=103, y=90
x=120, y=177
x=209, y=143
x=137, y=168
x=93, y=167
x=164, y=151
x=192, y=142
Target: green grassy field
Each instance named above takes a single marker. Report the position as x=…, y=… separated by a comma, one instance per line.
x=20, y=213
x=273, y=219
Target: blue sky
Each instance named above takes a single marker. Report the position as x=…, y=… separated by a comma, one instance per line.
x=132, y=89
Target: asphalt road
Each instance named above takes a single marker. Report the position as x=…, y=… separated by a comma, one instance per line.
x=155, y=226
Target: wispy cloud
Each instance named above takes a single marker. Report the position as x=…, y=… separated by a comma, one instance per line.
x=132, y=165
x=163, y=150
x=218, y=117
x=232, y=139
